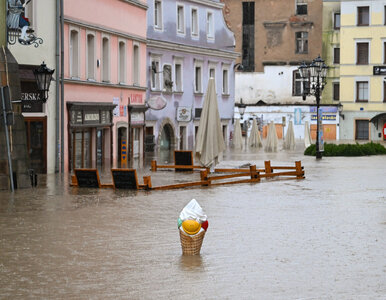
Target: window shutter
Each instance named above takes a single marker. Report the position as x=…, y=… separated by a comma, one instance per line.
x=363, y=53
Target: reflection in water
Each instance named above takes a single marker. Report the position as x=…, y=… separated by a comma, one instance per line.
x=191, y=263
x=317, y=238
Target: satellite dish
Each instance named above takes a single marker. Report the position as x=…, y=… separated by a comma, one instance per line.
x=157, y=102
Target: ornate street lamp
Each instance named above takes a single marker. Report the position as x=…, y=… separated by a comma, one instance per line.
x=241, y=107
x=43, y=77
x=314, y=79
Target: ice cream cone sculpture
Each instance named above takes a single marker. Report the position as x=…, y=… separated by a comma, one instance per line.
x=192, y=225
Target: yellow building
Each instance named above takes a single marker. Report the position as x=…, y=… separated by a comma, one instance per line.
x=363, y=69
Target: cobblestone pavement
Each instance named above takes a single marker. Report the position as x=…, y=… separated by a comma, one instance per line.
x=318, y=238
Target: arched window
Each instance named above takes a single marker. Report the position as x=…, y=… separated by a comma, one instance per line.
x=91, y=57
x=74, y=54
x=105, y=59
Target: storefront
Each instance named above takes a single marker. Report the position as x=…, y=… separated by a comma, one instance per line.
x=90, y=135
x=136, y=134
x=35, y=118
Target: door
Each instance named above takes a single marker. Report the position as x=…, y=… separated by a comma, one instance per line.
x=36, y=143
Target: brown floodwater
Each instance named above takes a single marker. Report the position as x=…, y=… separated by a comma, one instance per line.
x=323, y=237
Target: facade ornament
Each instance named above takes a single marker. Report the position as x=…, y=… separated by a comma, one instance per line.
x=18, y=26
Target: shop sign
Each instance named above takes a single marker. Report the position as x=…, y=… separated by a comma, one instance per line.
x=184, y=114
x=105, y=117
x=325, y=117
x=324, y=109
x=30, y=98
x=379, y=70
x=76, y=117
x=137, y=118
x=157, y=102
x=91, y=117
x=136, y=99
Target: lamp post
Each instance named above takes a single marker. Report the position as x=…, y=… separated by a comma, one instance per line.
x=314, y=79
x=43, y=77
x=242, y=108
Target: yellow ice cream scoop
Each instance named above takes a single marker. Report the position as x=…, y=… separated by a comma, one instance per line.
x=191, y=226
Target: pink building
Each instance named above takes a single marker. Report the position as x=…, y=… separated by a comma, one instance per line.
x=104, y=82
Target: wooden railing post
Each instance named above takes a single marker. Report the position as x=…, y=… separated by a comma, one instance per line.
x=154, y=165
x=254, y=173
x=268, y=169
x=299, y=169
x=147, y=182
x=204, y=177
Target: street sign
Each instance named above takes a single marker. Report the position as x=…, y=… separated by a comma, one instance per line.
x=379, y=70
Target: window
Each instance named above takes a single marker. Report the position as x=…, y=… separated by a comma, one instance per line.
x=180, y=19
x=105, y=59
x=248, y=43
x=362, y=91
x=225, y=82
x=337, y=20
x=363, y=16
x=362, y=53
x=194, y=25
x=74, y=54
x=198, y=78
x=361, y=129
x=136, y=65
x=336, y=87
x=384, y=91
x=155, y=74
x=209, y=25
x=178, y=76
x=301, y=42
x=167, y=78
x=384, y=53
x=158, y=14
x=297, y=84
x=301, y=7
x=122, y=62
x=336, y=55
x=91, y=57
x=384, y=15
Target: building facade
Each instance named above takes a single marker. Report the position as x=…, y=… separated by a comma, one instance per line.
x=40, y=117
x=274, y=38
x=104, y=83
x=188, y=42
x=363, y=69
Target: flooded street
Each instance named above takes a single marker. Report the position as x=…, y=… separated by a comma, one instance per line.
x=318, y=238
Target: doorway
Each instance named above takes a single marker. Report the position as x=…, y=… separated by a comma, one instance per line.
x=36, y=129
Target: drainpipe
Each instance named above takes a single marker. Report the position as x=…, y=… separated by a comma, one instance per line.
x=61, y=87
x=57, y=137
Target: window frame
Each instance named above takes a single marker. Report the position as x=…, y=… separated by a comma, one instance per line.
x=336, y=58
x=92, y=77
x=198, y=64
x=178, y=82
x=225, y=81
x=384, y=51
x=180, y=31
x=359, y=14
x=334, y=20
x=122, y=63
x=136, y=64
x=76, y=74
x=357, y=52
x=356, y=130
x=335, y=97
x=158, y=15
x=155, y=83
x=303, y=40
x=104, y=64
x=299, y=3
x=210, y=29
x=384, y=91
x=192, y=32
x=357, y=91
x=296, y=80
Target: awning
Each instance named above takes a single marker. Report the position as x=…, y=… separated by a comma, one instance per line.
x=378, y=118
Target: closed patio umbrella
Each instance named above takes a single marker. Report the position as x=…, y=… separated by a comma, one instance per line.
x=272, y=140
x=307, y=135
x=237, y=136
x=254, y=137
x=209, y=141
x=289, y=140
